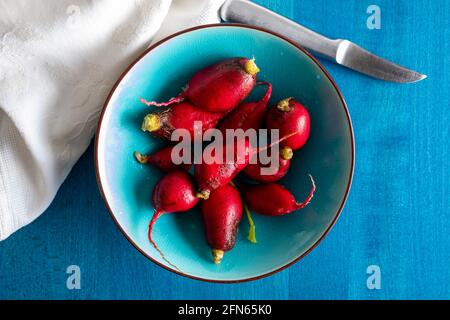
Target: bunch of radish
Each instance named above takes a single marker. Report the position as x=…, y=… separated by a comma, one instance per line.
x=214, y=97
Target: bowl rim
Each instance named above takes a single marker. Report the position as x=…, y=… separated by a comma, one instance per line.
x=207, y=26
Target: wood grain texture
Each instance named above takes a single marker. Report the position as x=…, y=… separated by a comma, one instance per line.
x=397, y=215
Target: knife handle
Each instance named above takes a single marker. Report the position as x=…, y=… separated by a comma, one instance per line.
x=244, y=11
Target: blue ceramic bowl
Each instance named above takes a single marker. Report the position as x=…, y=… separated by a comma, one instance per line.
x=160, y=73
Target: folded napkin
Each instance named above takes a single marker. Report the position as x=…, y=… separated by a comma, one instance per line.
x=58, y=61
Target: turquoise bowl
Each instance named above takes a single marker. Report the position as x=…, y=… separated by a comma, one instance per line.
x=159, y=74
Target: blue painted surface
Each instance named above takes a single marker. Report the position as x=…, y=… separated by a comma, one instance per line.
x=397, y=215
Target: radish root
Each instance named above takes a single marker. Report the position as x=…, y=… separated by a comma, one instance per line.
x=301, y=205
x=252, y=230
x=155, y=217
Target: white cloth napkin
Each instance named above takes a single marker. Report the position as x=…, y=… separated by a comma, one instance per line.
x=58, y=61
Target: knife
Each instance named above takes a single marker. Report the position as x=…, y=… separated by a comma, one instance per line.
x=343, y=52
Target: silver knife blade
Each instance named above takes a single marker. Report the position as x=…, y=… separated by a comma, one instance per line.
x=343, y=52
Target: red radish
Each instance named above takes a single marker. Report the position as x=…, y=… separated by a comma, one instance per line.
x=273, y=199
x=175, y=192
x=219, y=87
x=254, y=171
x=180, y=116
x=248, y=115
x=222, y=213
x=217, y=172
x=162, y=159
x=288, y=116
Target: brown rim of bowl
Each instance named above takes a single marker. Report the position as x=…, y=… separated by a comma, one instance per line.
x=350, y=178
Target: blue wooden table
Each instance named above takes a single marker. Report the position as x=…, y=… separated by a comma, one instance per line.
x=397, y=216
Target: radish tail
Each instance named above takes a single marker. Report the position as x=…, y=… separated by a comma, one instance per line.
x=258, y=150
x=308, y=199
x=268, y=93
x=176, y=99
x=217, y=255
x=155, y=217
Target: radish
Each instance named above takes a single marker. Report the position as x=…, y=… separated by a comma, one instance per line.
x=217, y=172
x=254, y=171
x=219, y=87
x=222, y=213
x=248, y=115
x=273, y=199
x=288, y=116
x=180, y=116
x=175, y=192
x=162, y=159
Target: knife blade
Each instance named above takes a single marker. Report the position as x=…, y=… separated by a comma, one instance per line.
x=340, y=51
